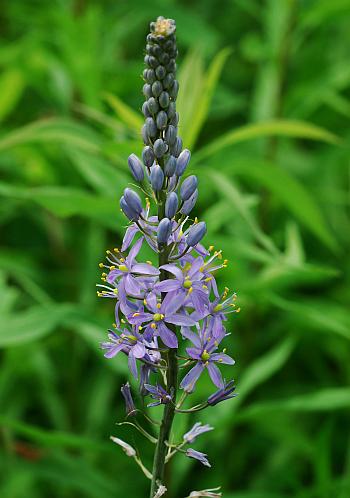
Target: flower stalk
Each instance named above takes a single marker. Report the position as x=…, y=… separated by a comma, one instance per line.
x=159, y=305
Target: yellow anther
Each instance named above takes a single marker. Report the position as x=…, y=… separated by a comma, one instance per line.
x=136, y=314
x=220, y=360
x=122, y=260
x=145, y=302
x=115, y=291
x=122, y=268
x=122, y=320
x=114, y=325
x=190, y=290
x=103, y=279
x=108, y=252
x=104, y=274
x=211, y=248
x=208, y=279
x=140, y=327
x=158, y=305
x=219, y=255
x=238, y=310
x=157, y=317
x=196, y=220
x=116, y=249
x=101, y=265
x=225, y=261
x=205, y=287
x=153, y=326
x=224, y=350
x=149, y=262
x=224, y=266
x=226, y=289
x=112, y=267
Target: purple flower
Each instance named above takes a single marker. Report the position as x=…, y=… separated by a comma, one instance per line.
x=189, y=282
x=203, y=353
x=130, y=343
x=162, y=313
x=198, y=455
x=125, y=269
x=129, y=402
x=196, y=431
x=222, y=394
x=159, y=393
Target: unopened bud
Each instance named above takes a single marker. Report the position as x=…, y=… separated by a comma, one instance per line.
x=188, y=187
x=182, y=162
x=157, y=178
x=136, y=167
x=164, y=231
x=171, y=205
x=196, y=233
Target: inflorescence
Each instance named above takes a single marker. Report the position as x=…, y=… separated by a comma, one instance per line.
x=171, y=309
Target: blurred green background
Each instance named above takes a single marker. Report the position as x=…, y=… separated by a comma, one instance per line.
x=265, y=108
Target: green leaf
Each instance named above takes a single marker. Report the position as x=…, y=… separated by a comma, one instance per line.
x=205, y=96
x=65, y=202
x=289, y=191
x=124, y=112
x=30, y=325
x=283, y=128
x=11, y=88
x=55, y=130
x=336, y=398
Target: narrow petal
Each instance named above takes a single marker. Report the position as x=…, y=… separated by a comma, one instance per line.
x=215, y=374
x=174, y=270
x=192, y=336
x=134, y=252
x=222, y=358
x=132, y=364
x=167, y=285
x=178, y=319
x=172, y=303
x=112, y=351
x=137, y=318
x=168, y=337
x=130, y=233
x=189, y=381
x=144, y=269
x=194, y=353
x=132, y=287
x=139, y=350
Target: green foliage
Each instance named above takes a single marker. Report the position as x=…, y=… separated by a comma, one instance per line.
x=264, y=106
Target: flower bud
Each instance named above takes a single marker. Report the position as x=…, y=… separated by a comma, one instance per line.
x=182, y=162
x=164, y=231
x=157, y=88
x=145, y=110
x=151, y=127
x=148, y=156
x=196, y=233
x=160, y=72
x=177, y=147
x=129, y=213
x=159, y=148
x=168, y=80
x=129, y=402
x=171, y=134
x=164, y=100
x=174, y=90
x=171, y=110
x=153, y=105
x=174, y=119
x=150, y=76
x=133, y=200
x=147, y=90
x=144, y=133
x=136, y=167
x=162, y=120
x=157, y=177
x=171, y=205
x=152, y=62
x=188, y=187
x=189, y=204
x=170, y=166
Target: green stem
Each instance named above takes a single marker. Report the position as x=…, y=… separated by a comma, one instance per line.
x=171, y=376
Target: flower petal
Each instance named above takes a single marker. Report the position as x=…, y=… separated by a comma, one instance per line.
x=139, y=350
x=175, y=270
x=130, y=233
x=132, y=286
x=189, y=381
x=168, y=337
x=167, y=285
x=172, y=303
x=134, y=252
x=132, y=365
x=178, y=319
x=144, y=269
x=222, y=358
x=192, y=336
x=215, y=374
